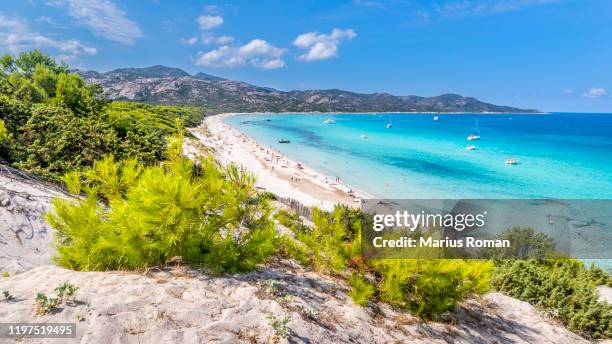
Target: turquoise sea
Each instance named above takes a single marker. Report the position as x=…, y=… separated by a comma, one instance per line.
x=561, y=155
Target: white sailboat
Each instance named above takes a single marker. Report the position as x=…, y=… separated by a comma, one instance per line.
x=329, y=120
x=436, y=118
x=389, y=125
x=476, y=134
x=364, y=136
x=470, y=147
x=512, y=161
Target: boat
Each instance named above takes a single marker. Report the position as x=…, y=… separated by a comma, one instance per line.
x=512, y=161
x=329, y=121
x=284, y=141
x=364, y=136
x=470, y=147
x=476, y=134
x=436, y=118
x=389, y=125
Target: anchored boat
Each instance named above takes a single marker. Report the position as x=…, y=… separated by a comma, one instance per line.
x=476, y=134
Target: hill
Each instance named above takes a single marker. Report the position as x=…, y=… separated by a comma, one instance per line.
x=165, y=85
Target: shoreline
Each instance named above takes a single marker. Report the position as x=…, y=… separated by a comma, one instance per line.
x=274, y=171
x=377, y=113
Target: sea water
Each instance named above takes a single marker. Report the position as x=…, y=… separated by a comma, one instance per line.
x=560, y=155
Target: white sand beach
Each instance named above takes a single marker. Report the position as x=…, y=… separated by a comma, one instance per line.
x=274, y=171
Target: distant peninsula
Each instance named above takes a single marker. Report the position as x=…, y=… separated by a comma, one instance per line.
x=173, y=86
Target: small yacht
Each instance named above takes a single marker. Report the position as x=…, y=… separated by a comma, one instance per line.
x=512, y=161
x=284, y=141
x=470, y=147
x=476, y=134
x=436, y=118
x=364, y=136
x=329, y=121
x=389, y=125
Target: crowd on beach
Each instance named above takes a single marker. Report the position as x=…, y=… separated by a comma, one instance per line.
x=224, y=138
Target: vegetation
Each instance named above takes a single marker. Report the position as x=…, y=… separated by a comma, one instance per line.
x=45, y=304
x=563, y=287
x=361, y=290
x=427, y=287
x=526, y=243
x=142, y=204
x=430, y=287
x=135, y=216
x=7, y=295
x=280, y=325
x=64, y=292
x=52, y=122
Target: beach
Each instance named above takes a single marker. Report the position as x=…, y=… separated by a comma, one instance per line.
x=274, y=171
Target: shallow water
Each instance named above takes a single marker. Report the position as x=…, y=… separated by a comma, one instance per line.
x=561, y=155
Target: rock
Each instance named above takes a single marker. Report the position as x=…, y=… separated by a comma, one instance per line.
x=25, y=238
x=119, y=307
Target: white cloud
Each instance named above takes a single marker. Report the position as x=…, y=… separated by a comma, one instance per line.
x=257, y=52
x=189, y=41
x=16, y=36
x=461, y=8
x=103, y=18
x=568, y=91
x=270, y=64
x=322, y=46
x=207, y=22
x=595, y=92
x=209, y=38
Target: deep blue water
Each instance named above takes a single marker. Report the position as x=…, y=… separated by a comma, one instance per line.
x=561, y=155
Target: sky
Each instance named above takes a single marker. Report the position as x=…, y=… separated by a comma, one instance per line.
x=551, y=55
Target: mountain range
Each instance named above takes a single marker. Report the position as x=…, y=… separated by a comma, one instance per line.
x=173, y=86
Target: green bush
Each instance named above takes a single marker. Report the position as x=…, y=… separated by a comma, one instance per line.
x=56, y=123
x=54, y=141
x=430, y=287
x=361, y=290
x=562, y=286
x=526, y=243
x=4, y=139
x=135, y=216
x=326, y=241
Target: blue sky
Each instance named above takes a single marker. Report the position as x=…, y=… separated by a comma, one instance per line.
x=553, y=55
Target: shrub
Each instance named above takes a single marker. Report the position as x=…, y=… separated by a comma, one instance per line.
x=562, y=286
x=361, y=291
x=326, y=241
x=526, y=243
x=4, y=134
x=280, y=325
x=45, y=304
x=431, y=287
x=54, y=141
x=55, y=122
x=133, y=216
x=66, y=290
x=289, y=220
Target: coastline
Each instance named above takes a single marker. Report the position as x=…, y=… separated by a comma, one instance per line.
x=274, y=171
x=378, y=113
